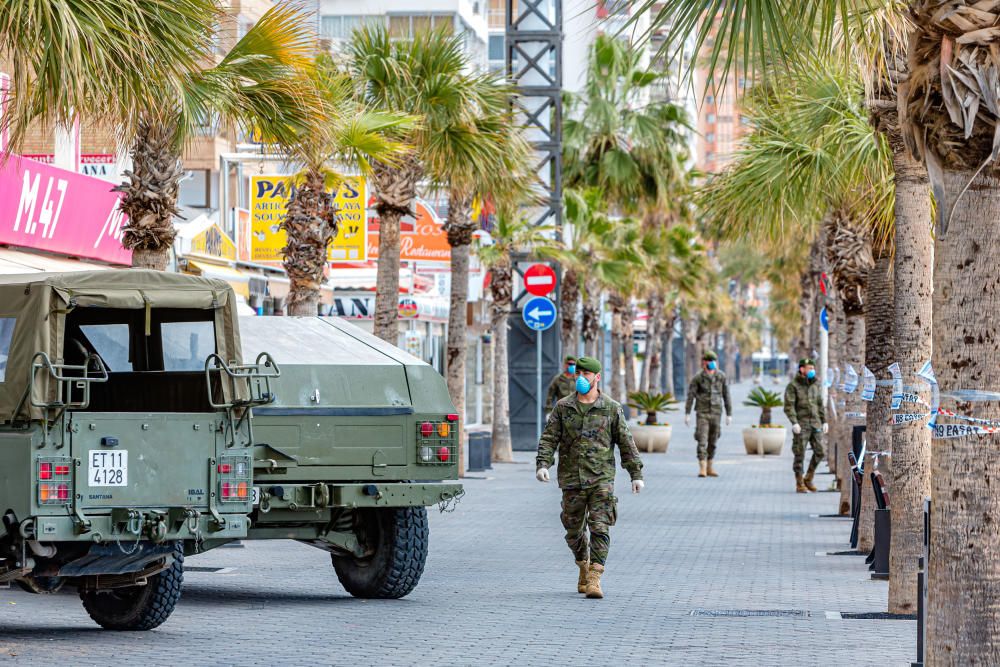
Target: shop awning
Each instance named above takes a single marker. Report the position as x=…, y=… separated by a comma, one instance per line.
x=239, y=281
x=17, y=261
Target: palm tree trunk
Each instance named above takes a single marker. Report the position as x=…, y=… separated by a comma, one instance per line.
x=311, y=225
x=654, y=314
x=617, y=304
x=459, y=228
x=628, y=331
x=501, y=288
x=150, y=195
x=591, y=316
x=853, y=353
x=879, y=348
x=569, y=297
x=395, y=190
x=911, y=443
x=668, y=352
x=964, y=575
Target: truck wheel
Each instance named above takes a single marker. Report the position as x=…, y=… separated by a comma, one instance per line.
x=138, y=607
x=399, y=538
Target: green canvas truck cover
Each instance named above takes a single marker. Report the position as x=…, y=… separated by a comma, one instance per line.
x=33, y=310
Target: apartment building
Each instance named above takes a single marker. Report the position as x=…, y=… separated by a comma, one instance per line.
x=405, y=18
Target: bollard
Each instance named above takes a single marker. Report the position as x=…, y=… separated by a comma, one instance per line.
x=921, y=576
x=883, y=535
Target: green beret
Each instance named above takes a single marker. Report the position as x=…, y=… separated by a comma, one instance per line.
x=569, y=359
x=806, y=361
x=710, y=356
x=588, y=364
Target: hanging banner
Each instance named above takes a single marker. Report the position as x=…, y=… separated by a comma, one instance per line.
x=421, y=238
x=897, y=386
x=60, y=211
x=850, y=380
x=269, y=197
x=213, y=242
x=868, y=389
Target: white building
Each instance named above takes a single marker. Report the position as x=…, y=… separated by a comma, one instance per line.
x=404, y=18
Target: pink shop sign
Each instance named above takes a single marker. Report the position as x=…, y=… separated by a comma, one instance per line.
x=60, y=211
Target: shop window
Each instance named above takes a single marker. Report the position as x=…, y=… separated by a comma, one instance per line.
x=496, y=47
x=6, y=335
x=195, y=189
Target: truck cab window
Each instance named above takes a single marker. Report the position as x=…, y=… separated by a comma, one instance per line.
x=111, y=342
x=6, y=334
x=186, y=345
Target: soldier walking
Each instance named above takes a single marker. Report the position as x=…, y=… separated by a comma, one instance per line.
x=804, y=408
x=563, y=384
x=585, y=428
x=708, y=392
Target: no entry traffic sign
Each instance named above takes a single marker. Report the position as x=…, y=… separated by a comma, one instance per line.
x=539, y=279
x=539, y=313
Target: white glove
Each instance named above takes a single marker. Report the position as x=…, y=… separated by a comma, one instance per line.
x=687, y=420
x=637, y=485
x=542, y=474
x=729, y=420
x=826, y=428
x=796, y=429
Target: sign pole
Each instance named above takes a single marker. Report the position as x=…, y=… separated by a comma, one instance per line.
x=539, y=399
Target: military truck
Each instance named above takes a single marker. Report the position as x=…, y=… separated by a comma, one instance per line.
x=129, y=440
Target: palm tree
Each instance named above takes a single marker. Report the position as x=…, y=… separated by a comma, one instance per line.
x=259, y=83
x=349, y=135
x=877, y=31
x=512, y=232
x=425, y=77
x=95, y=58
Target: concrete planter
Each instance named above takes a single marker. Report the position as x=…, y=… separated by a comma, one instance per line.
x=764, y=440
x=652, y=438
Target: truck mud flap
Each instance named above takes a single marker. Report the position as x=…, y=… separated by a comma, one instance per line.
x=112, y=559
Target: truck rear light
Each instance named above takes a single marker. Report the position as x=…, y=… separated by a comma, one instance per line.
x=443, y=429
x=45, y=492
x=62, y=471
x=426, y=454
x=45, y=470
x=225, y=467
x=427, y=429
x=452, y=418
x=444, y=454
x=241, y=490
x=62, y=492
x=234, y=479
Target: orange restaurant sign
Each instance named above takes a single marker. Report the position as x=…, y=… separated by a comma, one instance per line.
x=420, y=240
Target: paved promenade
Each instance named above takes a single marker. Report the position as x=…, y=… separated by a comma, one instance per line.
x=499, y=588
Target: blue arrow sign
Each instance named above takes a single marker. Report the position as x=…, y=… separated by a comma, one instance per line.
x=824, y=320
x=539, y=313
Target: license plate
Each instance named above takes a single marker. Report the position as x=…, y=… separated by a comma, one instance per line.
x=256, y=495
x=107, y=467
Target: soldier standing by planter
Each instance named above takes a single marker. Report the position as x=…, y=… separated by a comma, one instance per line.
x=563, y=384
x=708, y=393
x=804, y=408
x=584, y=428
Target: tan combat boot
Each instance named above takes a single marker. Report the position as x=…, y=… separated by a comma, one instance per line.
x=711, y=473
x=808, y=481
x=581, y=582
x=594, y=581
x=702, y=468
x=800, y=486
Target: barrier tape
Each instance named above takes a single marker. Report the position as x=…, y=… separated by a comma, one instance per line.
x=868, y=388
x=972, y=395
x=947, y=431
x=975, y=420
x=897, y=385
x=851, y=380
x=906, y=418
x=927, y=373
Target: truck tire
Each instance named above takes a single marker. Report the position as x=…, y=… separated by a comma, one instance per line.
x=399, y=537
x=138, y=607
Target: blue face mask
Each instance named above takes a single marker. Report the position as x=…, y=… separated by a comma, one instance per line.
x=711, y=365
x=572, y=369
x=582, y=385
x=811, y=375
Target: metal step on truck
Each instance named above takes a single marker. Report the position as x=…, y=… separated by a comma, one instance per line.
x=129, y=439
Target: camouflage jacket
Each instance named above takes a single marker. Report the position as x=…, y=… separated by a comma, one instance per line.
x=709, y=392
x=560, y=387
x=586, y=443
x=804, y=402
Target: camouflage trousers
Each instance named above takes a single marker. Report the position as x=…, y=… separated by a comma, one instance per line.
x=706, y=434
x=810, y=435
x=594, y=508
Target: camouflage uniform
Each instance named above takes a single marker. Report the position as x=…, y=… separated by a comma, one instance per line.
x=804, y=406
x=708, y=393
x=585, y=437
x=561, y=386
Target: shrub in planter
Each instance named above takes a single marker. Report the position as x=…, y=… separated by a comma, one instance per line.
x=765, y=437
x=652, y=436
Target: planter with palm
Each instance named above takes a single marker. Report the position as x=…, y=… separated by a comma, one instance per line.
x=766, y=401
x=651, y=435
x=764, y=437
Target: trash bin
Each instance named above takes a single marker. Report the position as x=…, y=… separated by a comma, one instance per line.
x=480, y=444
